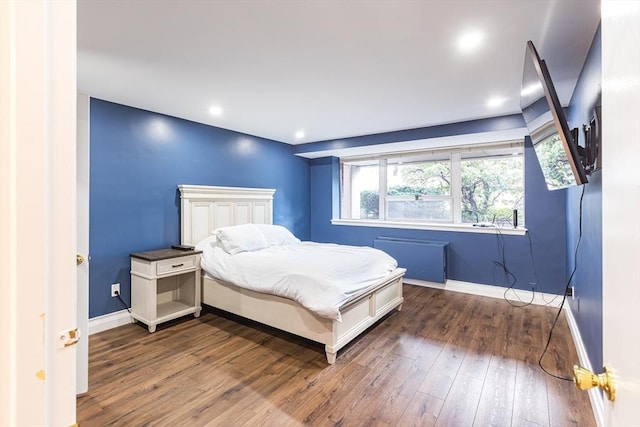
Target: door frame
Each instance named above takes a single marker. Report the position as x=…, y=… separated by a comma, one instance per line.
x=82, y=237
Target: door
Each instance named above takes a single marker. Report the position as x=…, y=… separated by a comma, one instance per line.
x=621, y=206
x=82, y=241
x=37, y=212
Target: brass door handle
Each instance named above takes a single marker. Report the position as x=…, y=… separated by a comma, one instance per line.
x=79, y=259
x=585, y=379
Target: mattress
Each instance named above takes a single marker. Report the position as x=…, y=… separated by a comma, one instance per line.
x=319, y=276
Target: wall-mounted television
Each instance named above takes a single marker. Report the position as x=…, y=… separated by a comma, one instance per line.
x=554, y=144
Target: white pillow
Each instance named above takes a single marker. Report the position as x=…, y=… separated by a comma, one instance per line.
x=210, y=240
x=277, y=235
x=241, y=238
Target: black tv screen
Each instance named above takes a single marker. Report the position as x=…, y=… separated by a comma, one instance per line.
x=555, y=147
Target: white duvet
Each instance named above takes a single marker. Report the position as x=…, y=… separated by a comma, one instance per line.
x=319, y=276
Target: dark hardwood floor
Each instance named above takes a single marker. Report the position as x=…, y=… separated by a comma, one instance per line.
x=447, y=359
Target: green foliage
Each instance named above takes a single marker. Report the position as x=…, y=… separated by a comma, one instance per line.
x=370, y=204
x=370, y=200
x=491, y=187
x=426, y=178
x=407, y=190
x=554, y=163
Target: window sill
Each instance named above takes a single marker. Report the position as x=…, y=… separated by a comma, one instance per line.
x=463, y=228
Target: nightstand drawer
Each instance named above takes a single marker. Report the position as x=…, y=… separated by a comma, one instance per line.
x=174, y=265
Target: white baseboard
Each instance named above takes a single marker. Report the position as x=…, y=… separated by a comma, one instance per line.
x=595, y=396
x=109, y=321
x=516, y=295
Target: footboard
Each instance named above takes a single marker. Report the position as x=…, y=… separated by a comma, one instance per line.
x=364, y=311
x=357, y=314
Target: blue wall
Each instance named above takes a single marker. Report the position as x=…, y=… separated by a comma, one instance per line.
x=587, y=305
x=471, y=255
x=138, y=159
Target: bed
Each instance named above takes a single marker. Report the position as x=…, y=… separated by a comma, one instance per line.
x=206, y=208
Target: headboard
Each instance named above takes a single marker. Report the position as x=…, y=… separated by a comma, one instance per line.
x=204, y=208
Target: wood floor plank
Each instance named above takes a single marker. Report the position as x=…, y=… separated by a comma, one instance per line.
x=383, y=395
x=495, y=407
x=570, y=411
x=366, y=403
x=410, y=341
x=462, y=401
x=519, y=422
x=316, y=398
x=385, y=336
x=443, y=372
x=423, y=411
x=559, y=360
x=531, y=390
x=479, y=352
x=446, y=359
x=262, y=382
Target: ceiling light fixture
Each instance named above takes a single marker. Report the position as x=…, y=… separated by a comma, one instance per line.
x=470, y=41
x=215, y=110
x=300, y=134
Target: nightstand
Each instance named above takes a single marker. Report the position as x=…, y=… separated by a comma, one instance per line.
x=165, y=284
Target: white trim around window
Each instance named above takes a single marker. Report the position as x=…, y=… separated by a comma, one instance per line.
x=464, y=228
x=375, y=169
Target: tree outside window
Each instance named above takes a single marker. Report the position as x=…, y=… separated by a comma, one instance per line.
x=490, y=187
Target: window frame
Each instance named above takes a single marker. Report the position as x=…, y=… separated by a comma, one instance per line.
x=455, y=156
x=385, y=198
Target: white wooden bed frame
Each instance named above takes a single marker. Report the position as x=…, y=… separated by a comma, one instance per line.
x=205, y=208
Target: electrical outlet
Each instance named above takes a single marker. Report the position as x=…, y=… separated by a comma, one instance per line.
x=571, y=292
x=115, y=288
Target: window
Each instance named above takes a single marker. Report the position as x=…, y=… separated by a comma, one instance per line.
x=419, y=190
x=361, y=180
x=492, y=187
x=461, y=185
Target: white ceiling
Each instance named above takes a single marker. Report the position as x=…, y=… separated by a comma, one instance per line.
x=332, y=68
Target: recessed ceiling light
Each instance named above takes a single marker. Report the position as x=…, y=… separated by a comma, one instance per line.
x=496, y=101
x=470, y=41
x=300, y=134
x=215, y=110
